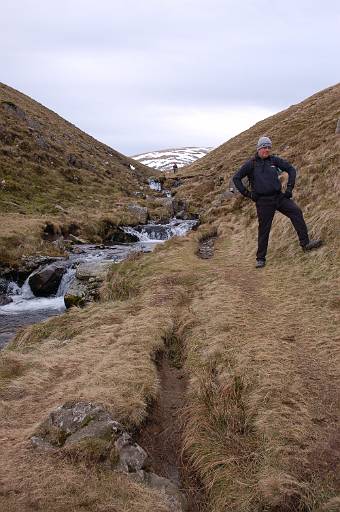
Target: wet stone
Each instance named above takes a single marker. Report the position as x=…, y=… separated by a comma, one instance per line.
x=206, y=248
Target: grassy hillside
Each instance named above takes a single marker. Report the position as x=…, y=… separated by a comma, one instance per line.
x=47, y=161
x=304, y=134
x=51, y=170
x=260, y=349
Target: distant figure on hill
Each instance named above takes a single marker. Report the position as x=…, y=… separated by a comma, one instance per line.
x=175, y=167
x=264, y=189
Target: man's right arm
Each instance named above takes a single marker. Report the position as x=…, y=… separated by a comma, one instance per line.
x=244, y=171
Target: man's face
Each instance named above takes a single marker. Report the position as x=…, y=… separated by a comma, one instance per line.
x=264, y=152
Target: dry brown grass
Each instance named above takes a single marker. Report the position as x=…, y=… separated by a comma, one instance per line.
x=263, y=406
x=105, y=353
x=261, y=351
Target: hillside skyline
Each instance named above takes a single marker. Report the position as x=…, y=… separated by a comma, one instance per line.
x=174, y=74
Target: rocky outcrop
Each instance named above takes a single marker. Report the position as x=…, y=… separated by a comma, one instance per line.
x=3, y=286
x=45, y=282
x=176, y=501
x=74, y=422
x=85, y=287
x=140, y=212
x=181, y=210
x=20, y=273
x=87, y=430
x=4, y=300
x=3, y=292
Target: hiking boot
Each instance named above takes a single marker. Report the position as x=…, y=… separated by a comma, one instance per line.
x=260, y=263
x=312, y=244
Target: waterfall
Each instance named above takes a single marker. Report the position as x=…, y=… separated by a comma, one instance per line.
x=66, y=281
x=155, y=185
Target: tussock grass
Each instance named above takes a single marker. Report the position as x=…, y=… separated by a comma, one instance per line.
x=206, y=232
x=263, y=387
x=124, y=280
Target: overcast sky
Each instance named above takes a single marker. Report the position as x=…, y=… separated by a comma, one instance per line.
x=143, y=75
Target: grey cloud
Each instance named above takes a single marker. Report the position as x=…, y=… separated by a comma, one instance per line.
x=129, y=59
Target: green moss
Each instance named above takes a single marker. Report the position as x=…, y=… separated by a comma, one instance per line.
x=74, y=300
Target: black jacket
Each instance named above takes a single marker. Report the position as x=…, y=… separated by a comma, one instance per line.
x=263, y=175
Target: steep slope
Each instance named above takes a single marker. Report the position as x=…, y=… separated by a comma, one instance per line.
x=45, y=160
x=304, y=134
x=51, y=170
x=259, y=350
x=163, y=160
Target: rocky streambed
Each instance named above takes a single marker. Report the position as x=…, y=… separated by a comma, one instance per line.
x=50, y=285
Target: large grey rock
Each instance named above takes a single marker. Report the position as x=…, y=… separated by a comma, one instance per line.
x=140, y=212
x=76, y=295
x=75, y=421
x=3, y=286
x=175, y=500
x=85, y=286
x=132, y=457
x=5, y=300
x=28, y=265
x=97, y=428
x=118, y=236
x=98, y=270
x=46, y=281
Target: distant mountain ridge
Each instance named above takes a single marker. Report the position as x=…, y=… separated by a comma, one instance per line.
x=164, y=159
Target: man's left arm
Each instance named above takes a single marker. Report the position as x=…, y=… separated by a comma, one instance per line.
x=289, y=169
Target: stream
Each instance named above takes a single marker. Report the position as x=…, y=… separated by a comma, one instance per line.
x=25, y=308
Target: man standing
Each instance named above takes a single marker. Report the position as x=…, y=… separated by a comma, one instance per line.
x=265, y=190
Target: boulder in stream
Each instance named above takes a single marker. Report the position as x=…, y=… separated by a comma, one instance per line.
x=118, y=236
x=45, y=282
x=85, y=286
x=4, y=300
x=3, y=286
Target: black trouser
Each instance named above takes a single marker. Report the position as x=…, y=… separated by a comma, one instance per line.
x=266, y=207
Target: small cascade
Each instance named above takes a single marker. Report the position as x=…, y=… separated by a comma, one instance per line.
x=161, y=232
x=155, y=185
x=26, y=292
x=66, y=281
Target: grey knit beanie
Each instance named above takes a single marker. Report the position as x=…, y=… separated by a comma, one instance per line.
x=264, y=142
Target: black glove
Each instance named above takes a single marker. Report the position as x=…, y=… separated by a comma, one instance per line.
x=251, y=195
x=288, y=193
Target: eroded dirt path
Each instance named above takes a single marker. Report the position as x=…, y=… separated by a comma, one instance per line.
x=161, y=436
